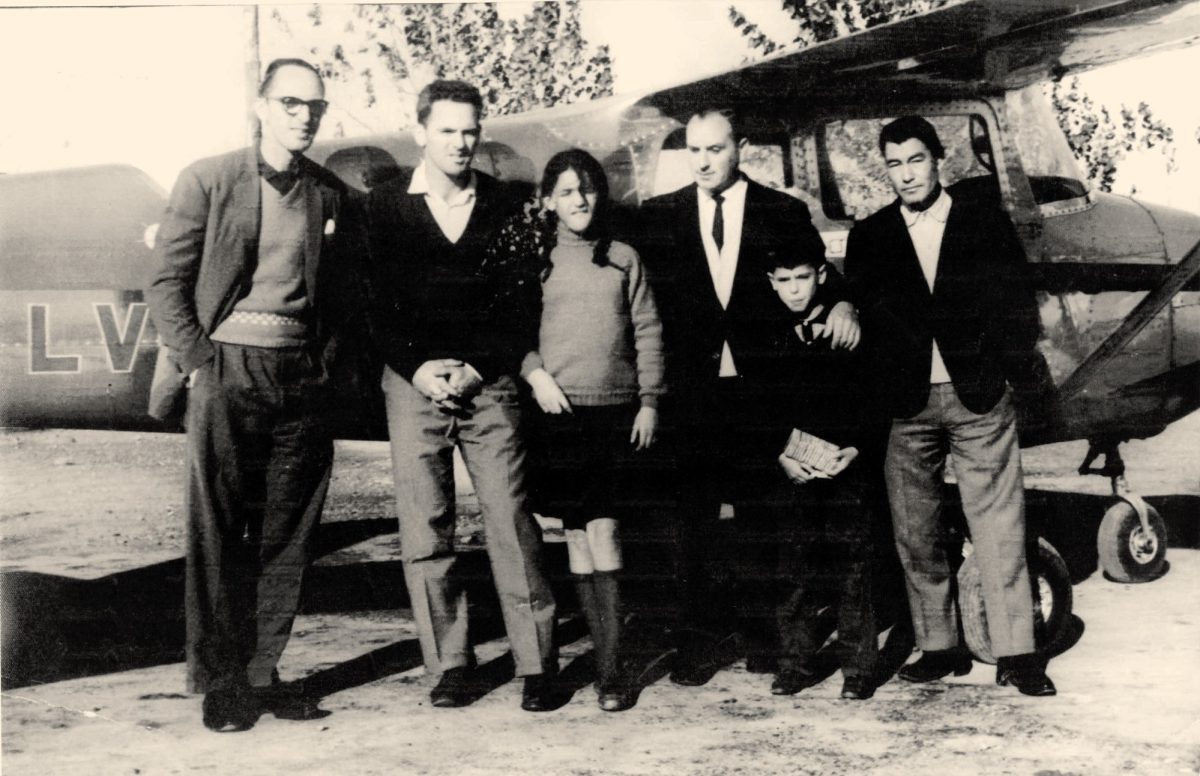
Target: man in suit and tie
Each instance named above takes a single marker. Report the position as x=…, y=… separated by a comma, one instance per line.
x=450, y=381
x=944, y=285
x=250, y=285
x=705, y=255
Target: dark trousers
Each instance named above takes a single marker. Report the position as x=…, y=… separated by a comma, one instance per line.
x=728, y=567
x=258, y=462
x=830, y=553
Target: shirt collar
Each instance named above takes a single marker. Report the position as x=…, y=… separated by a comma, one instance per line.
x=420, y=185
x=735, y=190
x=939, y=211
x=280, y=180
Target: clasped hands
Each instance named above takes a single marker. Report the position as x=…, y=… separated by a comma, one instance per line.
x=447, y=382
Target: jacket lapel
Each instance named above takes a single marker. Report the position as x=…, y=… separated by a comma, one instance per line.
x=691, y=248
x=314, y=232
x=248, y=206
x=753, y=231
x=950, y=239
x=908, y=265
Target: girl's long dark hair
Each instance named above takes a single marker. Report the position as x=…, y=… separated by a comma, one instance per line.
x=591, y=178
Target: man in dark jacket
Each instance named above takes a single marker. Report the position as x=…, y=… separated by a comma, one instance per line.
x=248, y=291
x=452, y=358
x=703, y=247
x=944, y=283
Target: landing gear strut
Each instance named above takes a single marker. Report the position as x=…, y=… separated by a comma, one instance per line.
x=1132, y=541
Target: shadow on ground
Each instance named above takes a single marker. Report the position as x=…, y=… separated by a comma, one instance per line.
x=58, y=627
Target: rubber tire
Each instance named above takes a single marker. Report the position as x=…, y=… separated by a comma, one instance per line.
x=1049, y=572
x=1112, y=544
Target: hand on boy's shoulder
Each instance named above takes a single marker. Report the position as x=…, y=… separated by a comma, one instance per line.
x=842, y=327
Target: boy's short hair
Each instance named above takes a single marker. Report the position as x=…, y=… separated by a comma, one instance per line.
x=909, y=128
x=454, y=91
x=792, y=257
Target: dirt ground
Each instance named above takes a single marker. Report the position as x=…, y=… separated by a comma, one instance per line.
x=90, y=542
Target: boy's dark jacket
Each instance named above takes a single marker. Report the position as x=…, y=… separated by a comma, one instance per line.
x=817, y=389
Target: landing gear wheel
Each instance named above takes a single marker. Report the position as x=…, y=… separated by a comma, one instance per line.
x=1127, y=551
x=1051, y=610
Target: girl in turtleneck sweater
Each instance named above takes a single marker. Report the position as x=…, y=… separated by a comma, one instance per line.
x=597, y=373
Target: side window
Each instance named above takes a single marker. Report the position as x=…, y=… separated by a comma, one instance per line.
x=1054, y=174
x=855, y=178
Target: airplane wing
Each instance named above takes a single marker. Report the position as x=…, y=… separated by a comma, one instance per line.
x=970, y=47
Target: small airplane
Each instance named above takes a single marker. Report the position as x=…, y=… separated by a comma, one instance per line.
x=1117, y=278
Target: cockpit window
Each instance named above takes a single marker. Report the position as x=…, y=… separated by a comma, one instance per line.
x=859, y=185
x=1049, y=163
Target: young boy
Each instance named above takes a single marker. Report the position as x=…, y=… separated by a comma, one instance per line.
x=820, y=422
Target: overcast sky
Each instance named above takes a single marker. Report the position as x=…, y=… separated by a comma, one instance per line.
x=159, y=87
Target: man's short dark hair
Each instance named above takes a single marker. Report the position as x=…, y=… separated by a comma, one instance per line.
x=794, y=256
x=453, y=91
x=908, y=128
x=730, y=113
x=276, y=64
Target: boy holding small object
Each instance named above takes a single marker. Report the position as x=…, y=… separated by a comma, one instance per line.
x=821, y=408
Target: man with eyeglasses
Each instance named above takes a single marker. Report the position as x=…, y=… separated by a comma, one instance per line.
x=250, y=284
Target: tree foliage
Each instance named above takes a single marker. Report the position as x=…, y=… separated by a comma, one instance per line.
x=1099, y=140
x=538, y=60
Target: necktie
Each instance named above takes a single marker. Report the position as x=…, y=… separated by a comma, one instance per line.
x=718, y=222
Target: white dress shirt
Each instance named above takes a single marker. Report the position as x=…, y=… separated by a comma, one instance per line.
x=925, y=228
x=452, y=214
x=722, y=264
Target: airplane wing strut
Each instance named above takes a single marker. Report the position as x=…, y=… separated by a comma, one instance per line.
x=1137, y=319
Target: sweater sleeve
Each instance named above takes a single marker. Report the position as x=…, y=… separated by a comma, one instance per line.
x=531, y=363
x=647, y=333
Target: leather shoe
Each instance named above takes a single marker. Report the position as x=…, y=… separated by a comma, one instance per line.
x=230, y=710
x=692, y=671
x=792, y=680
x=934, y=665
x=697, y=663
x=614, y=694
x=290, y=702
x=540, y=693
x=759, y=663
x=453, y=689
x=1030, y=681
x=857, y=688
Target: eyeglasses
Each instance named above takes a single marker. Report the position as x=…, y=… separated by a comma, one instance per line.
x=316, y=108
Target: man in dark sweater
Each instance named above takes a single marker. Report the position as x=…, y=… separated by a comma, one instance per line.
x=251, y=285
x=449, y=381
x=819, y=407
